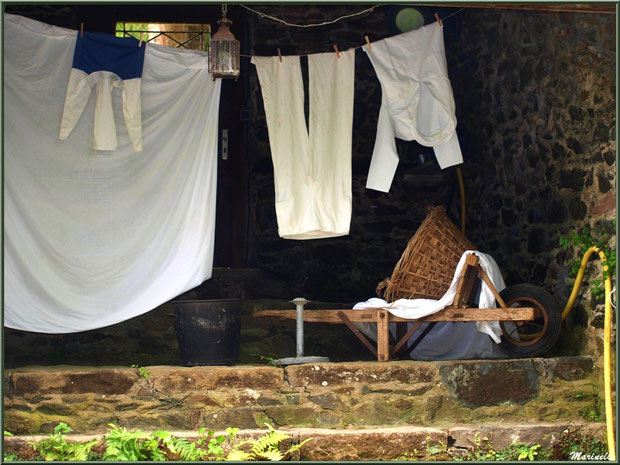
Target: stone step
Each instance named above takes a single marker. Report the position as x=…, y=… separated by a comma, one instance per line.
x=381, y=443
x=346, y=395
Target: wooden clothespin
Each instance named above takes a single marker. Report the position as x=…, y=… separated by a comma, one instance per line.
x=141, y=37
x=438, y=19
x=368, y=42
x=81, y=29
x=280, y=55
x=337, y=52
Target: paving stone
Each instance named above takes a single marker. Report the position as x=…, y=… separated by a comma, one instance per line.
x=356, y=373
x=72, y=381
x=477, y=384
x=368, y=444
x=192, y=379
x=566, y=368
x=501, y=435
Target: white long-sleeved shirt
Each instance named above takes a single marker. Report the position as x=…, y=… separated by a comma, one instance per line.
x=417, y=101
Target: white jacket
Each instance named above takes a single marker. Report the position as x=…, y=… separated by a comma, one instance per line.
x=417, y=101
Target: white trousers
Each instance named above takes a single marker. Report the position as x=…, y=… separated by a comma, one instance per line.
x=312, y=167
x=417, y=101
x=79, y=89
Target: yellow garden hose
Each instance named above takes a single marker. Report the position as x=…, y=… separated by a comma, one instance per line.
x=611, y=446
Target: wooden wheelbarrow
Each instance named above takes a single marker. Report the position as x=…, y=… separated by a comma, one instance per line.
x=533, y=311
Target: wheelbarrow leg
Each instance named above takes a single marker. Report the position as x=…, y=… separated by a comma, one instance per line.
x=403, y=340
x=383, y=336
x=420, y=337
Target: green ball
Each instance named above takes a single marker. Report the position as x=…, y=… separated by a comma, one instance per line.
x=409, y=19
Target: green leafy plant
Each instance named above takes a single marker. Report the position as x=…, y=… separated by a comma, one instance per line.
x=270, y=360
x=483, y=451
x=595, y=411
x=580, y=242
x=142, y=372
x=265, y=447
x=577, y=440
x=56, y=446
x=122, y=444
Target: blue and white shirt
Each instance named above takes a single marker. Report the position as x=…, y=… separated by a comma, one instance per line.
x=103, y=61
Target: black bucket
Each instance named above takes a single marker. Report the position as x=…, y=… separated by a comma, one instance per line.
x=209, y=331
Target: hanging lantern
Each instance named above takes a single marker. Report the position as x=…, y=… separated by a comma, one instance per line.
x=224, y=50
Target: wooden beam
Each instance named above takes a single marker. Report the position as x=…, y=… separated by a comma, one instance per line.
x=370, y=315
x=404, y=338
x=467, y=281
x=383, y=335
x=357, y=332
x=600, y=8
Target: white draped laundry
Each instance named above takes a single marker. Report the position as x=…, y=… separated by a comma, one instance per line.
x=312, y=165
x=417, y=101
x=94, y=238
x=449, y=341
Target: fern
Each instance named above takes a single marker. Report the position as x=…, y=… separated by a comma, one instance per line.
x=268, y=441
x=186, y=450
x=237, y=455
x=296, y=447
x=122, y=444
x=56, y=446
x=271, y=454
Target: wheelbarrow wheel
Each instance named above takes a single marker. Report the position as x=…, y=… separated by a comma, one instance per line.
x=530, y=338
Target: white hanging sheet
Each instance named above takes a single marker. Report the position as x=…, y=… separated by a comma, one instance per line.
x=94, y=238
x=451, y=340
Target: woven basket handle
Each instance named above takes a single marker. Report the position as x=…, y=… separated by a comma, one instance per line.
x=382, y=287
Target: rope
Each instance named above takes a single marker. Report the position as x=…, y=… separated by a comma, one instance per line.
x=273, y=18
x=327, y=22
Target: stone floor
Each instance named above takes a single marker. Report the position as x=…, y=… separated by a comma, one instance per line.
x=398, y=405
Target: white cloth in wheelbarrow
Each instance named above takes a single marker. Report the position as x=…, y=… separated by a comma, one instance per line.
x=448, y=340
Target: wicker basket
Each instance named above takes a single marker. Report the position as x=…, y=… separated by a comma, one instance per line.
x=426, y=267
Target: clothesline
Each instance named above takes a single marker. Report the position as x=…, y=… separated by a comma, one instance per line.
x=359, y=46
x=325, y=23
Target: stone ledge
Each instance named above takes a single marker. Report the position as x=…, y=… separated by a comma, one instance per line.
x=175, y=380
x=36, y=381
x=383, y=443
x=502, y=435
x=30, y=381
x=322, y=395
x=325, y=374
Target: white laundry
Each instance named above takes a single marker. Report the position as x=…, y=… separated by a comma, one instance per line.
x=312, y=167
x=95, y=238
x=104, y=62
x=417, y=101
x=472, y=345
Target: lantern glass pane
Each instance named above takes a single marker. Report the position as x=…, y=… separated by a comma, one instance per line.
x=224, y=58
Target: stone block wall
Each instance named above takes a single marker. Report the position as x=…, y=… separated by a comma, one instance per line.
x=535, y=96
x=318, y=395
x=535, y=99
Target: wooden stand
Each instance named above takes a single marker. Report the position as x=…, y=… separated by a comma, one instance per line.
x=460, y=310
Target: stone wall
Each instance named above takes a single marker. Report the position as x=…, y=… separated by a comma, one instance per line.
x=535, y=98
x=316, y=395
